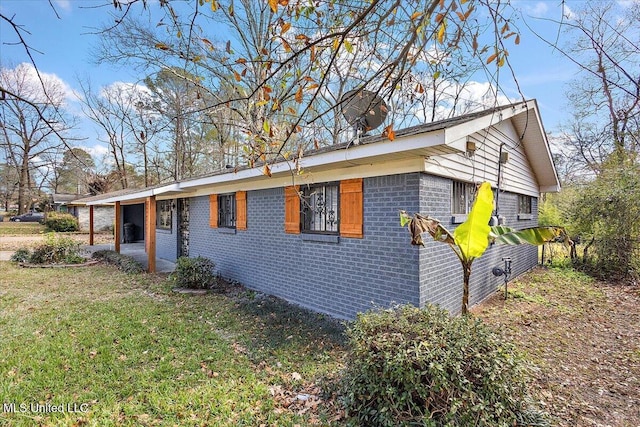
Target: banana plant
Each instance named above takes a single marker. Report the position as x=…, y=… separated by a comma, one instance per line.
x=471, y=238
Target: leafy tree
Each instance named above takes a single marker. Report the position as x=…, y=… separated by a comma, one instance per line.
x=600, y=145
x=603, y=41
x=30, y=126
x=178, y=100
x=606, y=216
x=8, y=184
x=279, y=71
x=73, y=172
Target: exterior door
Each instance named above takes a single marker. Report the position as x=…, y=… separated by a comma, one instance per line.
x=183, y=227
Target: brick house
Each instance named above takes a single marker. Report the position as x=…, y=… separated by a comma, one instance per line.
x=330, y=240
x=76, y=205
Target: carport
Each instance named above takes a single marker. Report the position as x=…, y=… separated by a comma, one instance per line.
x=138, y=208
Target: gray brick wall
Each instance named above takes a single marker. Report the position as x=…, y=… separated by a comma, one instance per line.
x=341, y=278
x=353, y=275
x=440, y=270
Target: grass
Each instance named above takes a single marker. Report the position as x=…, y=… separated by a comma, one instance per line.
x=136, y=353
x=21, y=228
x=133, y=353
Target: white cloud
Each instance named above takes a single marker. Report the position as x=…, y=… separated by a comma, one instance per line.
x=64, y=5
x=97, y=151
x=538, y=10
x=567, y=12
x=124, y=91
x=627, y=3
x=24, y=80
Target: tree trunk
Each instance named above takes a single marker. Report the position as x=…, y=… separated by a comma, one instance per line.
x=466, y=268
x=22, y=186
x=585, y=252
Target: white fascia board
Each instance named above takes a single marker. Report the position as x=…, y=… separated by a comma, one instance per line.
x=455, y=136
x=123, y=198
x=550, y=189
x=543, y=165
x=408, y=144
x=174, y=187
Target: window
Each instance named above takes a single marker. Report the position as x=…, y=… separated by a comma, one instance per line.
x=461, y=197
x=227, y=210
x=524, y=204
x=320, y=208
x=163, y=214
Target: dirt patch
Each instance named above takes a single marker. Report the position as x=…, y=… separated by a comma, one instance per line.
x=583, y=337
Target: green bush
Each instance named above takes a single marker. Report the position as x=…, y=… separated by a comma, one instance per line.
x=21, y=255
x=61, y=222
x=194, y=273
x=410, y=367
x=55, y=250
x=123, y=262
x=606, y=216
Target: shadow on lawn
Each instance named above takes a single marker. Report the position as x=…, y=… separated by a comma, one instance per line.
x=280, y=325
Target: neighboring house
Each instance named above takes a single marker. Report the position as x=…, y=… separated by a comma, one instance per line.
x=330, y=239
x=61, y=202
x=103, y=214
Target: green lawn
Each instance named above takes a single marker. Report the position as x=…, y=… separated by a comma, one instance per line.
x=20, y=228
x=130, y=352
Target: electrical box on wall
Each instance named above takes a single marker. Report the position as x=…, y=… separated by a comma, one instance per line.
x=504, y=157
x=471, y=147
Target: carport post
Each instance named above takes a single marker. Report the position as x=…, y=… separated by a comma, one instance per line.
x=90, y=225
x=151, y=235
x=116, y=228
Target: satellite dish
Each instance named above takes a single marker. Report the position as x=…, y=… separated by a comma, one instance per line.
x=363, y=109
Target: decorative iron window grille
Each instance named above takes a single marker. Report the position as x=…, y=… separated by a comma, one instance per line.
x=163, y=214
x=461, y=197
x=227, y=210
x=320, y=208
x=524, y=204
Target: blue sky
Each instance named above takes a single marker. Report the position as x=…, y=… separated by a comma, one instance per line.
x=66, y=43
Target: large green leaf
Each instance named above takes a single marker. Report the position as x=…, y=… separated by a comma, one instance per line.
x=472, y=235
x=534, y=236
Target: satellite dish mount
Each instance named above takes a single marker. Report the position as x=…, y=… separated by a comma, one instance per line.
x=364, y=110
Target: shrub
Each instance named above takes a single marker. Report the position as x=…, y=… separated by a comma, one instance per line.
x=421, y=367
x=606, y=215
x=194, y=273
x=123, y=262
x=21, y=255
x=57, y=249
x=61, y=222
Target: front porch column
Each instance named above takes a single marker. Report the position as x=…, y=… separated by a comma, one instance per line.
x=90, y=225
x=116, y=227
x=151, y=232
